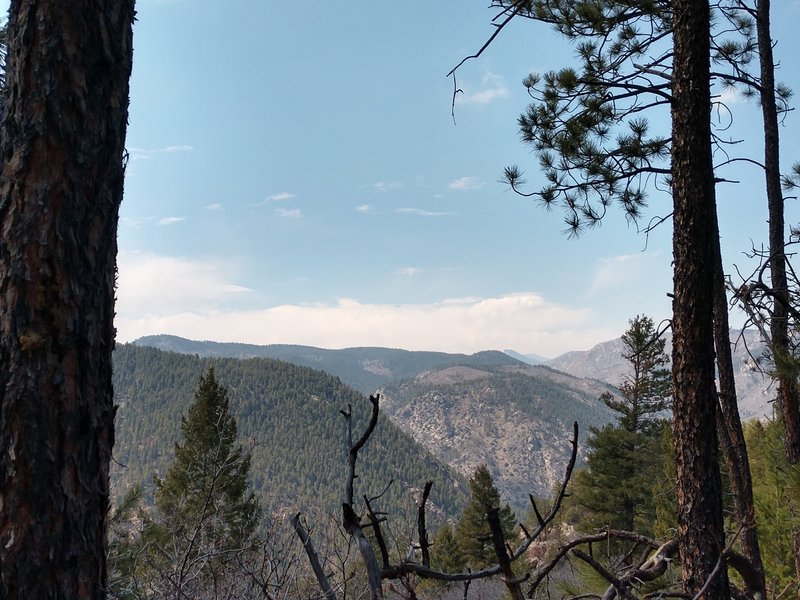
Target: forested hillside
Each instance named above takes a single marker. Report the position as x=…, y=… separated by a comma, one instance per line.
x=290, y=414
x=467, y=410
x=363, y=369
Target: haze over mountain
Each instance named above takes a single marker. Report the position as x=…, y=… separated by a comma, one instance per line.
x=363, y=369
x=605, y=363
x=288, y=414
x=486, y=408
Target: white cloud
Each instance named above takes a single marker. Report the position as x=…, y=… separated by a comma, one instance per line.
x=288, y=213
x=422, y=213
x=408, y=271
x=364, y=208
x=171, y=149
x=465, y=183
x=144, y=153
x=170, y=220
x=492, y=87
x=215, y=206
x=151, y=285
x=279, y=197
x=183, y=297
x=728, y=95
x=385, y=186
x=617, y=271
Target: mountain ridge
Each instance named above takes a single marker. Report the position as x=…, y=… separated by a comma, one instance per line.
x=485, y=408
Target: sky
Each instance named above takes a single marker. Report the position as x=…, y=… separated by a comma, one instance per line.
x=295, y=176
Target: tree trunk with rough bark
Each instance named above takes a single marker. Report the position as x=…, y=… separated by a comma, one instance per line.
x=700, y=524
x=63, y=136
x=788, y=403
x=731, y=433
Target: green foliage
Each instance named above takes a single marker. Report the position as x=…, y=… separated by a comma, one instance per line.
x=124, y=545
x=647, y=390
x=205, y=515
x=289, y=413
x=616, y=486
x=586, y=124
x=363, y=369
x=590, y=124
x=472, y=533
x=665, y=496
x=205, y=491
x=626, y=459
x=776, y=486
x=446, y=555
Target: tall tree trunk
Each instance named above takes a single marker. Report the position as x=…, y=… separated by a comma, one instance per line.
x=700, y=525
x=730, y=431
x=779, y=325
x=63, y=136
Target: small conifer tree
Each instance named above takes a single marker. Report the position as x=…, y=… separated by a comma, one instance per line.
x=205, y=508
x=472, y=532
x=625, y=459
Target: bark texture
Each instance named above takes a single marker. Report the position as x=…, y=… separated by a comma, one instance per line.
x=731, y=433
x=789, y=405
x=63, y=136
x=700, y=526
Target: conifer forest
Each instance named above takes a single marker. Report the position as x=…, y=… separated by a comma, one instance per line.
x=162, y=468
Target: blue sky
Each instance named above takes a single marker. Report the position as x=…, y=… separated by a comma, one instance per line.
x=295, y=176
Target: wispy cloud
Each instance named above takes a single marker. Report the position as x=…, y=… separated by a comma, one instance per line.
x=408, y=271
x=523, y=321
x=492, y=87
x=215, y=206
x=170, y=220
x=289, y=213
x=385, y=186
x=614, y=272
x=177, y=148
x=465, y=183
x=365, y=208
x=144, y=153
x=728, y=95
x=280, y=197
x=420, y=212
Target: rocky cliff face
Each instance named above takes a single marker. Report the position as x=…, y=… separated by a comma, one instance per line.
x=604, y=362
x=516, y=420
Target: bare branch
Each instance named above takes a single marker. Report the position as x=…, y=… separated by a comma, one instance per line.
x=421, y=529
x=503, y=559
x=308, y=546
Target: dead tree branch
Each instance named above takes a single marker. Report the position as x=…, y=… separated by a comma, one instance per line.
x=350, y=520
x=311, y=553
x=421, y=529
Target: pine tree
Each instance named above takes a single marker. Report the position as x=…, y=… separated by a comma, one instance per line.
x=472, y=533
x=625, y=458
x=646, y=391
x=204, y=505
x=445, y=553
x=776, y=485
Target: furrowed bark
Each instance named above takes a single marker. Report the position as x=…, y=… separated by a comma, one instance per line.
x=63, y=136
x=700, y=527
